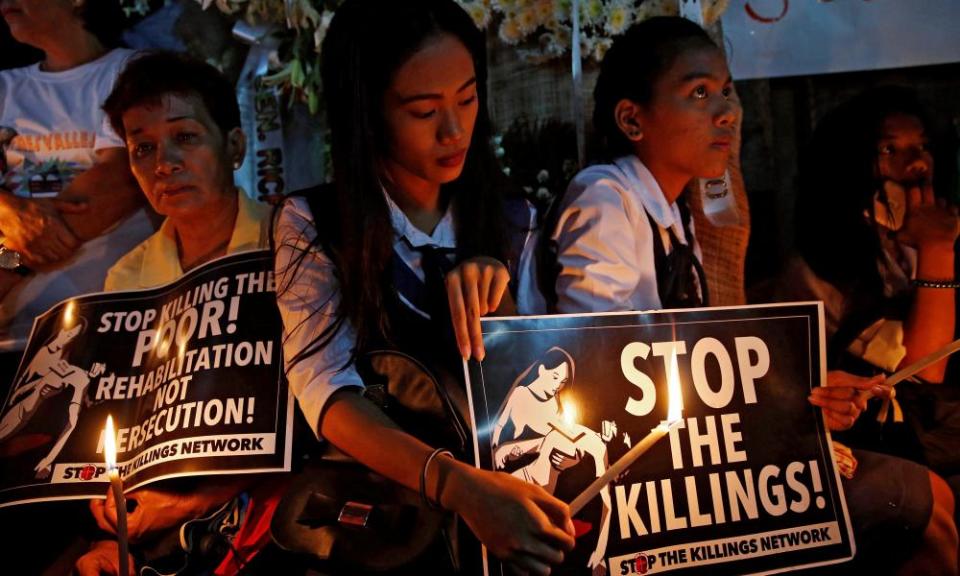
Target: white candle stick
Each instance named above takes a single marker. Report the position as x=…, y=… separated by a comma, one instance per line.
x=675, y=398
x=620, y=466
x=915, y=368
x=921, y=364
x=116, y=486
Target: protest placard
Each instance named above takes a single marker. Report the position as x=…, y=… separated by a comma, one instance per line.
x=745, y=481
x=190, y=371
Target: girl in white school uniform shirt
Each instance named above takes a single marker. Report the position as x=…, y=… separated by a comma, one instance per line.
x=357, y=261
x=667, y=113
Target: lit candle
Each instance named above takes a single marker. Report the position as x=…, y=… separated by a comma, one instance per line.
x=675, y=405
x=116, y=485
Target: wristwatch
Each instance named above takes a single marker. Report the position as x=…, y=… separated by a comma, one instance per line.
x=12, y=261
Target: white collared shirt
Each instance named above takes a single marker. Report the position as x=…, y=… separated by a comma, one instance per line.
x=605, y=246
x=308, y=296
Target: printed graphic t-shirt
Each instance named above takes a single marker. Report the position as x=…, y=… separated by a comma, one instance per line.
x=51, y=124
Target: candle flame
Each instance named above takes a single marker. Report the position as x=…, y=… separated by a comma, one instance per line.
x=109, y=445
x=675, y=396
x=569, y=413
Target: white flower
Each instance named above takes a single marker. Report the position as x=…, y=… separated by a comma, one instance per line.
x=591, y=12
x=527, y=20
x=544, y=10
x=510, y=31
x=479, y=13
x=601, y=47
x=618, y=18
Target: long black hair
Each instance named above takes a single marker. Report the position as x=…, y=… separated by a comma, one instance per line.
x=366, y=43
x=838, y=178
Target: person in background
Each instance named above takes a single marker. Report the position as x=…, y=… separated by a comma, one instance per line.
x=886, y=271
x=68, y=204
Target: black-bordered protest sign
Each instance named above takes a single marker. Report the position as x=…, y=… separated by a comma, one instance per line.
x=190, y=372
x=746, y=483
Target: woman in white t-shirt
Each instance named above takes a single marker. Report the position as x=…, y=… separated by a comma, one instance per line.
x=66, y=193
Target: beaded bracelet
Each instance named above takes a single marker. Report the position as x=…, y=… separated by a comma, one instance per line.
x=423, y=476
x=924, y=283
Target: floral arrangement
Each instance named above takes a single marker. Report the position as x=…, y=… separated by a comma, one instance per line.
x=543, y=29
x=299, y=24
x=540, y=29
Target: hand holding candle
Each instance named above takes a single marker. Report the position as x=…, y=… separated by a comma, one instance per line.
x=116, y=486
x=617, y=468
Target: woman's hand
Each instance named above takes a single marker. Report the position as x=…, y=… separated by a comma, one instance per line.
x=154, y=511
x=474, y=289
x=845, y=396
x=540, y=529
x=930, y=223
x=103, y=558
x=36, y=228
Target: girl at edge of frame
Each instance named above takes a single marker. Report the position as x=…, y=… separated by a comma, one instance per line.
x=667, y=110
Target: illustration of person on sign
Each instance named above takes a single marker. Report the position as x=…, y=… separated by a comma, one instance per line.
x=536, y=437
x=49, y=374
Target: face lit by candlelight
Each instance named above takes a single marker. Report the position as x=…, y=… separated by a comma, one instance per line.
x=903, y=151
x=430, y=109
x=181, y=159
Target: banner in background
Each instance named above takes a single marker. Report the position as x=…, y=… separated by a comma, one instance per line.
x=772, y=38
